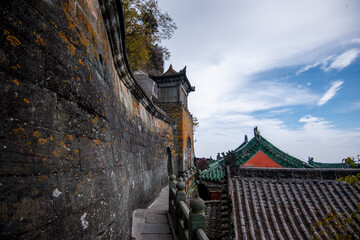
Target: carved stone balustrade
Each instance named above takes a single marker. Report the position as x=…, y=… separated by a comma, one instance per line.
x=189, y=224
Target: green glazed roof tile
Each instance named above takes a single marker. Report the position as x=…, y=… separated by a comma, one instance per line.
x=216, y=170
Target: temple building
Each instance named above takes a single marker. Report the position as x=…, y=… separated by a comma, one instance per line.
x=171, y=90
x=258, y=191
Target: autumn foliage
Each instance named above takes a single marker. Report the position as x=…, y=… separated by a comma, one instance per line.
x=146, y=26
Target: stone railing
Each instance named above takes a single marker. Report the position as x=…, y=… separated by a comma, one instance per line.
x=189, y=177
x=189, y=224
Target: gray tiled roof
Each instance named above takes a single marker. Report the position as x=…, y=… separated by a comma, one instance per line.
x=285, y=208
x=213, y=219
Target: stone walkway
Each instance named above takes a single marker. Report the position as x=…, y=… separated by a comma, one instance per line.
x=153, y=223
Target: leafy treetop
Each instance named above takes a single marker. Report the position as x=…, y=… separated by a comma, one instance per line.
x=146, y=26
x=355, y=163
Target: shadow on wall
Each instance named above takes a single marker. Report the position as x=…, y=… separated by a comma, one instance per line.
x=169, y=162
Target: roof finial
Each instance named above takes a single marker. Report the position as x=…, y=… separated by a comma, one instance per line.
x=256, y=131
x=170, y=71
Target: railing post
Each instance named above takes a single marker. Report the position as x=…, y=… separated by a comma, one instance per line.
x=180, y=196
x=180, y=193
x=172, y=183
x=172, y=195
x=191, y=178
x=197, y=215
x=184, y=176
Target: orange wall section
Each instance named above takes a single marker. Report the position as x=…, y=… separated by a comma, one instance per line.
x=260, y=159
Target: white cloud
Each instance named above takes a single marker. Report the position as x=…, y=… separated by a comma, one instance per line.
x=249, y=97
x=343, y=60
x=311, y=121
x=257, y=31
x=338, y=63
x=307, y=67
x=265, y=95
x=279, y=111
x=316, y=138
x=355, y=40
x=225, y=45
x=330, y=93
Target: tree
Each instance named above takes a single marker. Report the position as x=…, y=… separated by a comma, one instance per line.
x=355, y=163
x=146, y=26
x=344, y=224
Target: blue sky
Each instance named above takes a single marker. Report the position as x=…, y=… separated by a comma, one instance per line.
x=292, y=68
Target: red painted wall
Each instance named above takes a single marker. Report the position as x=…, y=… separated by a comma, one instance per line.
x=260, y=159
x=215, y=196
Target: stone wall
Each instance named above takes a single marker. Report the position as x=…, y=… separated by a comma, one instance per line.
x=188, y=136
x=80, y=144
x=183, y=134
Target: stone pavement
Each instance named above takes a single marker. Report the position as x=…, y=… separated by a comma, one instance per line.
x=153, y=222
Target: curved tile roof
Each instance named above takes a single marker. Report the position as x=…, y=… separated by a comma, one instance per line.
x=286, y=203
x=291, y=208
x=173, y=76
x=248, y=149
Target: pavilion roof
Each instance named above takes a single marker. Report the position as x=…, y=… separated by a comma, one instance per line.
x=172, y=76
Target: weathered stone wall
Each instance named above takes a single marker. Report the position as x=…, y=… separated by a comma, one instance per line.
x=182, y=134
x=188, y=136
x=78, y=151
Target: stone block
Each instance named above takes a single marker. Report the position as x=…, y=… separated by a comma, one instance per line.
x=153, y=228
x=157, y=218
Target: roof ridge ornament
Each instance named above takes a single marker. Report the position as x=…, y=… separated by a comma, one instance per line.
x=230, y=158
x=256, y=133
x=171, y=71
x=183, y=70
